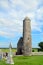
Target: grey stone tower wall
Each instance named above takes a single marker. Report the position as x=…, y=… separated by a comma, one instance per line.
x=27, y=45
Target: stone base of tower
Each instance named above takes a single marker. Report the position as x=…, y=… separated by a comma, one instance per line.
x=26, y=52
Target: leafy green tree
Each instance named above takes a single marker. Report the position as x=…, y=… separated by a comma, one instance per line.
x=40, y=45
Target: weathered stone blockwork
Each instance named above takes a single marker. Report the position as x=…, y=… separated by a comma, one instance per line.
x=24, y=45
x=27, y=46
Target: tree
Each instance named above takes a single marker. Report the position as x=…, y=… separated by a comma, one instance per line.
x=41, y=45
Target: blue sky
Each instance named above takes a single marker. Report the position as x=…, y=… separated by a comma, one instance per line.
x=12, y=13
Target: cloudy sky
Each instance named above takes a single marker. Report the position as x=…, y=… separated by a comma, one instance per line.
x=12, y=13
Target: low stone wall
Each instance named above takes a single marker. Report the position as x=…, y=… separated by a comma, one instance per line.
x=37, y=53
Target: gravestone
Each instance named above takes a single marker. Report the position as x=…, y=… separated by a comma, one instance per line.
x=9, y=58
x=1, y=55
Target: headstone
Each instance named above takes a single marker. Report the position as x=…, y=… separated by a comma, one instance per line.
x=9, y=58
x=1, y=55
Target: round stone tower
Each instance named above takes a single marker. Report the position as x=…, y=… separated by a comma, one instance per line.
x=27, y=45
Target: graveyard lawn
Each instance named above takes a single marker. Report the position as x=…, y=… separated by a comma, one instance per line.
x=25, y=60
x=7, y=49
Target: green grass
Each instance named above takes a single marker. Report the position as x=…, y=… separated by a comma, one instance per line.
x=35, y=49
x=25, y=60
x=7, y=50
x=14, y=50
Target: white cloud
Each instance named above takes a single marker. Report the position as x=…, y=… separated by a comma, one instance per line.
x=36, y=26
x=3, y=33
x=4, y=4
x=8, y=27
x=40, y=13
x=17, y=10
x=26, y=4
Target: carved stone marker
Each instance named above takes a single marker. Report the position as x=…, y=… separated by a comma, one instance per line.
x=1, y=54
x=9, y=58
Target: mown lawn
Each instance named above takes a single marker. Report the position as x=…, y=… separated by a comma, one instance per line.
x=35, y=49
x=14, y=49
x=7, y=50
x=25, y=60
